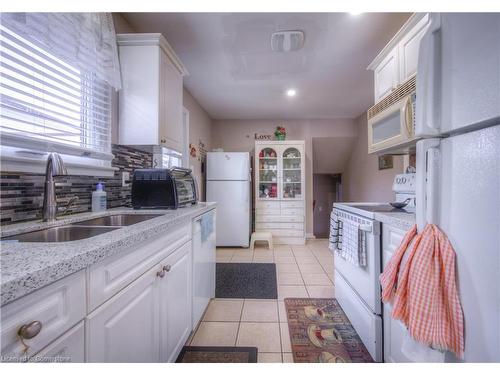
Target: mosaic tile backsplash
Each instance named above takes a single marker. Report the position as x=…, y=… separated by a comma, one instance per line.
x=22, y=193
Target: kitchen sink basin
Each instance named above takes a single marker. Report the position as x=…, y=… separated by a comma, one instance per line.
x=122, y=220
x=60, y=234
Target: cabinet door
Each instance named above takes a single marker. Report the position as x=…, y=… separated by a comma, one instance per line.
x=57, y=307
x=171, y=91
x=292, y=172
x=175, y=303
x=266, y=172
x=126, y=327
x=386, y=75
x=70, y=347
x=408, y=49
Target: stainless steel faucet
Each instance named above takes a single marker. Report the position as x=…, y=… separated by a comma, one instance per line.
x=55, y=167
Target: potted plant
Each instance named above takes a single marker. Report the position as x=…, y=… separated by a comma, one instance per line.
x=280, y=133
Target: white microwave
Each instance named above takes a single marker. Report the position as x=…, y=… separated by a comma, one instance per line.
x=391, y=122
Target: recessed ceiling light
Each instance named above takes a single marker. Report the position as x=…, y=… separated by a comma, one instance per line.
x=355, y=13
x=291, y=92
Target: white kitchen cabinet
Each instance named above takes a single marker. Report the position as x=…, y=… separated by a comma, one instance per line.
x=280, y=190
x=149, y=320
x=127, y=327
x=108, y=277
x=170, y=121
x=397, y=62
x=386, y=75
x=175, y=296
x=55, y=308
x=150, y=102
x=398, y=345
x=70, y=347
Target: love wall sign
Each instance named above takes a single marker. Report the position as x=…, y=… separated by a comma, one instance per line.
x=263, y=137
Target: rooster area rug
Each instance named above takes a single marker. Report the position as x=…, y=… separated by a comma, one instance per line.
x=321, y=332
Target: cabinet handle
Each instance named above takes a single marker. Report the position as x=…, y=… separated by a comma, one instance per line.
x=161, y=274
x=167, y=268
x=28, y=331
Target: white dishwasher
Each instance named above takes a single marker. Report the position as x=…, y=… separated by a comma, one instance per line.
x=203, y=263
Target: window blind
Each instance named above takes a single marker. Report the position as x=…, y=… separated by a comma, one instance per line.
x=49, y=105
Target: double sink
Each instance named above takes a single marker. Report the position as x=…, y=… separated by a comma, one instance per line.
x=81, y=229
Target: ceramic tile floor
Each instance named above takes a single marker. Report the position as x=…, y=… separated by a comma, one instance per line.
x=302, y=271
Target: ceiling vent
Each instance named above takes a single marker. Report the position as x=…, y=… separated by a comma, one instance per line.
x=287, y=40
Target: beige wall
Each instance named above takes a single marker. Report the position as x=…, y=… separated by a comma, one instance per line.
x=361, y=180
x=238, y=135
x=200, y=129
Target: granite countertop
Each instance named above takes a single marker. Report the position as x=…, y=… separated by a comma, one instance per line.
x=26, y=267
x=400, y=220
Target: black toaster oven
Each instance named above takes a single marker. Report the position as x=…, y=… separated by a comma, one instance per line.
x=163, y=188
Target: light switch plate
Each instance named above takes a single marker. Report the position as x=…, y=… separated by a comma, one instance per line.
x=125, y=179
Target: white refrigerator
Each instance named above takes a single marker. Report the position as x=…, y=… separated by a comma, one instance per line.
x=458, y=163
x=228, y=184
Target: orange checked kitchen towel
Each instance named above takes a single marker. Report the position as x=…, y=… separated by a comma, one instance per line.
x=424, y=291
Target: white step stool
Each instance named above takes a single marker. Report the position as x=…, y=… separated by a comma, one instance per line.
x=262, y=236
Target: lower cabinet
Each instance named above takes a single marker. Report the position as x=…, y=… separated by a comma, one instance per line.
x=44, y=315
x=132, y=307
x=175, y=297
x=70, y=347
x=126, y=327
x=149, y=320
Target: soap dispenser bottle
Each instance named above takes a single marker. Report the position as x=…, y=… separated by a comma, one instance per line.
x=99, y=198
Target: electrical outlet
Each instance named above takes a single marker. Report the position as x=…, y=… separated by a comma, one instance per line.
x=125, y=179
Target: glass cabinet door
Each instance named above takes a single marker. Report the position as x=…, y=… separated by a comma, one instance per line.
x=292, y=174
x=268, y=174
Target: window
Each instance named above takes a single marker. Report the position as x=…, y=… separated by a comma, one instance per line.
x=171, y=158
x=49, y=105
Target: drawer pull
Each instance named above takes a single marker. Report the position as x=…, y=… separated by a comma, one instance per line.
x=167, y=268
x=28, y=331
x=161, y=274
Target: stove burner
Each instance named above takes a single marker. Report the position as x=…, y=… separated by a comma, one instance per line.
x=381, y=208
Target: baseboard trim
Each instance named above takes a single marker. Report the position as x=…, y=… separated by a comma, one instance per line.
x=310, y=236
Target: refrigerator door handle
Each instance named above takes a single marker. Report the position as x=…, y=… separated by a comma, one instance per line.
x=427, y=122
x=427, y=184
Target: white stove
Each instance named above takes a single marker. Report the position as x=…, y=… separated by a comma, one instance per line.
x=357, y=289
x=403, y=187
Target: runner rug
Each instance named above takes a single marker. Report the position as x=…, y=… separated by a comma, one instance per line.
x=321, y=332
x=246, y=280
x=217, y=354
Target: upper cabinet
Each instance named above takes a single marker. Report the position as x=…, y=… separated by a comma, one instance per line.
x=386, y=75
x=397, y=62
x=150, y=102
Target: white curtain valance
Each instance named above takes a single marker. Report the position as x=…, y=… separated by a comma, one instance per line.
x=86, y=41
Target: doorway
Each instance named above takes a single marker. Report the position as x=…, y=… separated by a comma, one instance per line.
x=327, y=189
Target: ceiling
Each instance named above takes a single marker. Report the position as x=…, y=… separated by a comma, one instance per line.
x=234, y=74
